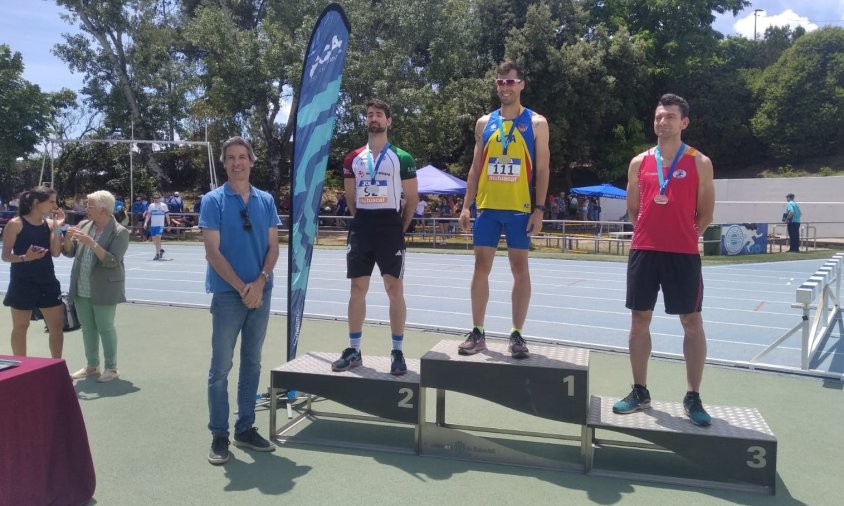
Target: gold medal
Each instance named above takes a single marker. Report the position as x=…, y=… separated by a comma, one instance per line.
x=504, y=159
x=661, y=199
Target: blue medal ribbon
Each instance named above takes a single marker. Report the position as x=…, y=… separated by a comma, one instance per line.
x=373, y=170
x=663, y=180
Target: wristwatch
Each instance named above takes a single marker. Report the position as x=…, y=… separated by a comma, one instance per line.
x=540, y=207
x=266, y=275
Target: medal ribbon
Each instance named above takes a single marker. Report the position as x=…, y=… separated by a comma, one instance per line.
x=373, y=170
x=663, y=180
x=505, y=140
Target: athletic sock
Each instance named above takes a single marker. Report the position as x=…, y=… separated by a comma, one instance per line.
x=514, y=329
x=354, y=340
x=397, y=341
x=480, y=328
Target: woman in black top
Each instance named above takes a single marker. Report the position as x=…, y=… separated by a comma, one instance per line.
x=30, y=240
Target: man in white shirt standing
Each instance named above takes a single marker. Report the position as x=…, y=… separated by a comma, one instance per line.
x=157, y=217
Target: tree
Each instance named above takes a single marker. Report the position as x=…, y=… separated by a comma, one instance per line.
x=126, y=50
x=801, y=112
x=25, y=115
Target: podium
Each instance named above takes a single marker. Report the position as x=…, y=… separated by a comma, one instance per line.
x=370, y=389
x=551, y=383
x=737, y=452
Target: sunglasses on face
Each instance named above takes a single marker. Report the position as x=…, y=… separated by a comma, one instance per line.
x=507, y=82
x=244, y=214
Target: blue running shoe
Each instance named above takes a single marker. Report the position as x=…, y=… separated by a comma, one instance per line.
x=694, y=410
x=350, y=359
x=637, y=400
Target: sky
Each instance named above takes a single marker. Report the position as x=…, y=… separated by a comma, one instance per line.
x=33, y=27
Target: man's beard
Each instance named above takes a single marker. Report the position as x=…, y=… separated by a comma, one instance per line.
x=375, y=128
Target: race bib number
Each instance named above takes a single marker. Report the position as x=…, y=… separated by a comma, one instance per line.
x=504, y=168
x=372, y=192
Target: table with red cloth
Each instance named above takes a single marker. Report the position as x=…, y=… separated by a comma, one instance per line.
x=44, y=454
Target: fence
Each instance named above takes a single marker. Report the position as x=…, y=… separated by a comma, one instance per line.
x=824, y=286
x=605, y=237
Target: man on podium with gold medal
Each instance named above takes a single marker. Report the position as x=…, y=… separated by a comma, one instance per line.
x=508, y=182
x=670, y=199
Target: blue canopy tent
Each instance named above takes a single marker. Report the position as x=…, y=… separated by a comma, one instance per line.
x=433, y=181
x=605, y=190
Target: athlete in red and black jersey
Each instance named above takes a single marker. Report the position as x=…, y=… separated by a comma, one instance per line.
x=670, y=200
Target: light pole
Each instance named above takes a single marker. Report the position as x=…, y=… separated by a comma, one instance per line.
x=755, y=13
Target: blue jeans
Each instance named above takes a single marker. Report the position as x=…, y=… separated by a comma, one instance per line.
x=229, y=317
x=793, y=236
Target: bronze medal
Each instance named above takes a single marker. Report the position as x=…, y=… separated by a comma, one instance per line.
x=661, y=199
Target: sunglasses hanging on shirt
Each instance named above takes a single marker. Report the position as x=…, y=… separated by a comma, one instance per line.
x=244, y=214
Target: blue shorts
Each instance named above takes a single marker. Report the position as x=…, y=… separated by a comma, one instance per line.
x=490, y=222
x=154, y=231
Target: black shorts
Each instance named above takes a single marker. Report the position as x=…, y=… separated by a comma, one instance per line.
x=375, y=237
x=28, y=295
x=678, y=275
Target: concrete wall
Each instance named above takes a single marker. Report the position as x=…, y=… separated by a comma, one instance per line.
x=762, y=200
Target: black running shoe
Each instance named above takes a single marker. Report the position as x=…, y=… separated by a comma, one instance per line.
x=518, y=347
x=475, y=342
x=398, y=367
x=349, y=359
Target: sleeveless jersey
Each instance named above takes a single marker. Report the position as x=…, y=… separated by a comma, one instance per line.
x=668, y=227
x=384, y=190
x=40, y=270
x=506, y=178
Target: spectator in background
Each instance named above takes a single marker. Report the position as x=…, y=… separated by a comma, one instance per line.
x=175, y=204
x=593, y=209
x=341, y=209
x=30, y=241
x=792, y=219
x=562, y=204
x=97, y=282
x=157, y=217
x=139, y=208
x=419, y=214
x=445, y=211
x=119, y=209
x=572, y=208
x=197, y=206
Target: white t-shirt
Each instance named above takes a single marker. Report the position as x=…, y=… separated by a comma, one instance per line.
x=156, y=214
x=420, y=208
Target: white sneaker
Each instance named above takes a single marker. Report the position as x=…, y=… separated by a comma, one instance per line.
x=108, y=375
x=85, y=372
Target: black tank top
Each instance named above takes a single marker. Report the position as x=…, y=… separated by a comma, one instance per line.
x=41, y=270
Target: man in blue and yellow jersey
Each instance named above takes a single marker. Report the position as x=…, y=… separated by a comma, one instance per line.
x=375, y=177
x=508, y=180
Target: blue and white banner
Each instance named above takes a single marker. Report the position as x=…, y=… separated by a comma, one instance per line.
x=319, y=92
x=744, y=239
